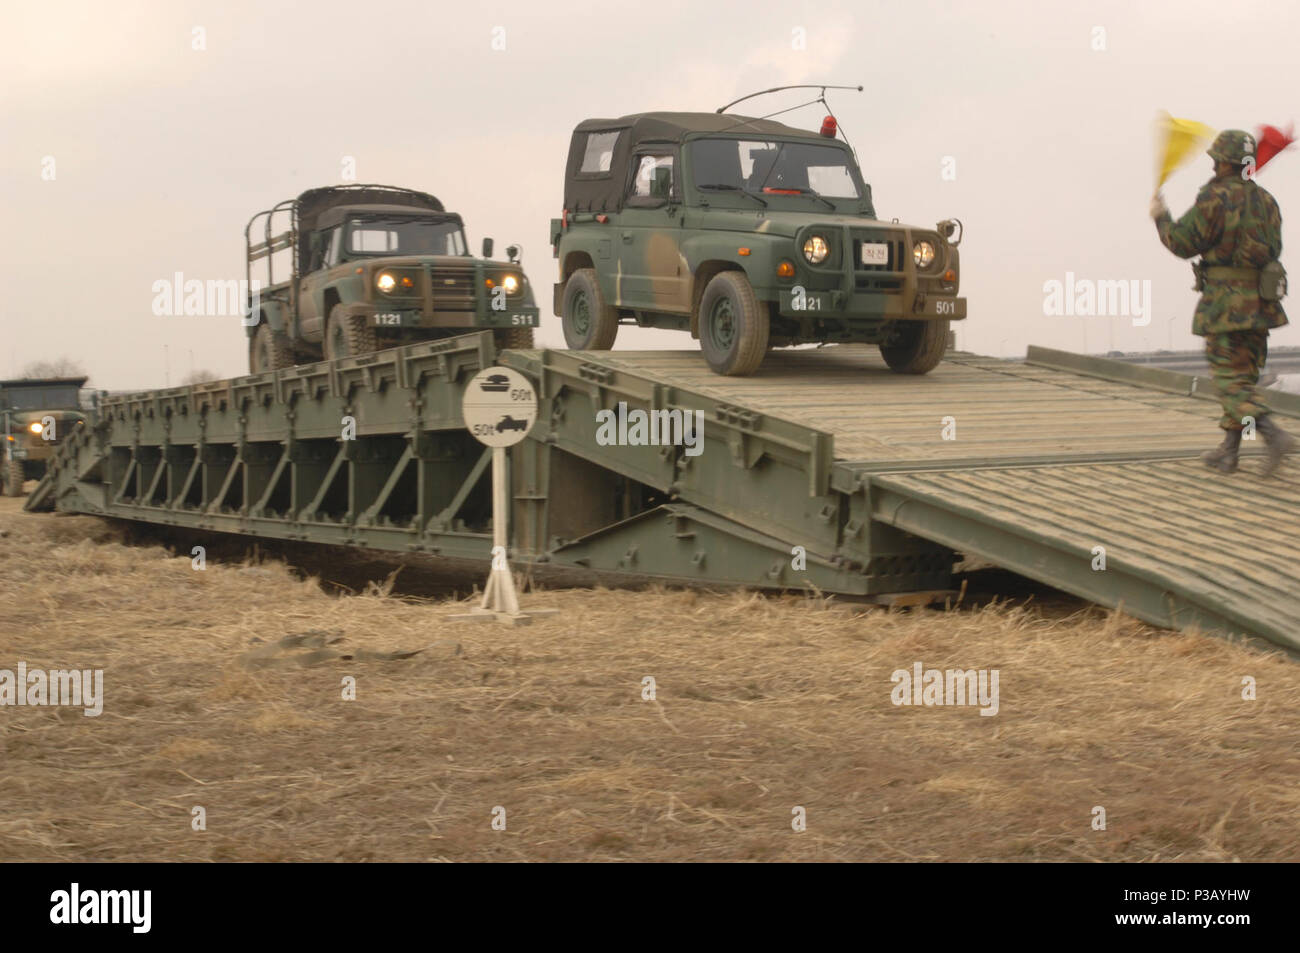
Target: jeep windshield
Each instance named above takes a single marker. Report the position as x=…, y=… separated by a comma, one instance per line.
x=762, y=167
x=404, y=236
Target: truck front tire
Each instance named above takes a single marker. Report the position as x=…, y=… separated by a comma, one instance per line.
x=347, y=335
x=268, y=350
x=518, y=338
x=733, y=326
x=918, y=347
x=13, y=478
x=589, y=323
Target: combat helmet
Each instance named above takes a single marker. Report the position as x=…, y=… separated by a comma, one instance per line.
x=1232, y=145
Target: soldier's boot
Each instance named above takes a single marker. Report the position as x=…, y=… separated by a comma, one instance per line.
x=1224, y=457
x=1277, y=442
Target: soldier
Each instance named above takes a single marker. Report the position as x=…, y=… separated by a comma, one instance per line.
x=1236, y=228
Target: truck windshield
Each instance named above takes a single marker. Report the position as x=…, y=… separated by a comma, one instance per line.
x=773, y=168
x=404, y=236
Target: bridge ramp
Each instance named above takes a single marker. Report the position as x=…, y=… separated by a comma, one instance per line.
x=1078, y=472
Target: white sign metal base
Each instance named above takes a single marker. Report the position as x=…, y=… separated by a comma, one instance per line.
x=500, y=601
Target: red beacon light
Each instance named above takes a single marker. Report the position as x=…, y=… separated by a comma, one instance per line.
x=828, y=127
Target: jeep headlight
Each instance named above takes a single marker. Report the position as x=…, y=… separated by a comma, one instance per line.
x=815, y=249
x=923, y=254
x=511, y=284
x=35, y=428
x=385, y=282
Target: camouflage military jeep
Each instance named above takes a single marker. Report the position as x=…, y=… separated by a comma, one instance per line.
x=36, y=414
x=748, y=233
x=375, y=266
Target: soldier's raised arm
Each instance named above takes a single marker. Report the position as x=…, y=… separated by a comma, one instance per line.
x=1200, y=228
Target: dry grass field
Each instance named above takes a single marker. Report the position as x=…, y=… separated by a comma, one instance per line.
x=224, y=690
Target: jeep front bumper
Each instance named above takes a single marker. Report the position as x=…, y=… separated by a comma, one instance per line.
x=865, y=305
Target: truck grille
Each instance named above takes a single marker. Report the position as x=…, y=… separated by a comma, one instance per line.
x=453, y=287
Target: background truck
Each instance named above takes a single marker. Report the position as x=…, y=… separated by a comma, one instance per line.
x=36, y=414
x=370, y=267
x=747, y=233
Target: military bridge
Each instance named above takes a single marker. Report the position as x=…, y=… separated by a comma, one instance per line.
x=1075, y=471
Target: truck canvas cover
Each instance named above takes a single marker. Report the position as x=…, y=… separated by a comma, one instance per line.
x=338, y=213
x=50, y=393
x=312, y=203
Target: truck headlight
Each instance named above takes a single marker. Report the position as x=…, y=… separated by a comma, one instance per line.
x=815, y=249
x=385, y=282
x=511, y=284
x=35, y=428
x=923, y=254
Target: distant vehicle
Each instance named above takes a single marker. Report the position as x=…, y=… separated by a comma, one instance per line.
x=1287, y=383
x=749, y=234
x=37, y=415
x=495, y=382
x=510, y=423
x=372, y=267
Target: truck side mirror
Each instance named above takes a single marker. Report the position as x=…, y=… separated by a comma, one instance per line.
x=487, y=248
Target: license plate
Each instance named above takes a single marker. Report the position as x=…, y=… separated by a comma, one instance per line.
x=946, y=307
x=875, y=253
x=19, y=453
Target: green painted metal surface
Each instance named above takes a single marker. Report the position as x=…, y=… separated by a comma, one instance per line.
x=1178, y=550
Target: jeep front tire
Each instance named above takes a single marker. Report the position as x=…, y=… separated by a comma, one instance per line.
x=589, y=323
x=917, y=347
x=347, y=335
x=733, y=327
x=268, y=350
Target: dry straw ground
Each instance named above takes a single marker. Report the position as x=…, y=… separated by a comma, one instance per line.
x=224, y=691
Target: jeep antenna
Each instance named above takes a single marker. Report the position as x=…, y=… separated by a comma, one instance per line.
x=835, y=126
x=777, y=89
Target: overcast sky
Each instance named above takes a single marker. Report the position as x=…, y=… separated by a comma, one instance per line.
x=162, y=151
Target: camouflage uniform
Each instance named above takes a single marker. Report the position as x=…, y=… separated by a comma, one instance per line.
x=1235, y=358
x=1234, y=224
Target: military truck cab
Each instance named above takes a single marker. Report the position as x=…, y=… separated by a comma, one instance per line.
x=370, y=267
x=36, y=414
x=747, y=233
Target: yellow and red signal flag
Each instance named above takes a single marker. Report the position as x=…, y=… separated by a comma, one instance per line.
x=1176, y=141
x=1269, y=141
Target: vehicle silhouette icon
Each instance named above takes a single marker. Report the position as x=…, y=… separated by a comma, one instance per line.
x=510, y=423
x=495, y=382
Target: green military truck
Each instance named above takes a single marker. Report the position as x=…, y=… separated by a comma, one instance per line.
x=371, y=267
x=36, y=413
x=748, y=233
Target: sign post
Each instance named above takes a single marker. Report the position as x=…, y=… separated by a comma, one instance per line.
x=500, y=407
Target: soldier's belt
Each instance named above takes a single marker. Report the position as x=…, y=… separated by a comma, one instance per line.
x=1223, y=273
